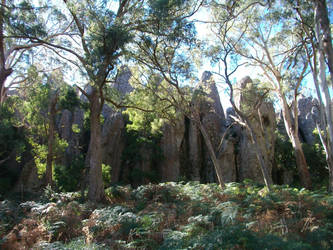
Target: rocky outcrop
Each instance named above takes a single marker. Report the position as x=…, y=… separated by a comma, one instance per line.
x=112, y=129
x=307, y=115
x=122, y=81
x=213, y=104
x=70, y=127
x=113, y=143
x=28, y=180
x=173, y=135
x=264, y=125
x=213, y=119
x=182, y=146
x=227, y=159
x=195, y=152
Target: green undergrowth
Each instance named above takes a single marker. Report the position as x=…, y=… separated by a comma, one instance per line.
x=173, y=216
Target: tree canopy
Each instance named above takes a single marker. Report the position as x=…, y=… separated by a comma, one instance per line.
x=50, y=48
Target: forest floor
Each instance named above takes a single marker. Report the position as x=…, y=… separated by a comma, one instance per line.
x=172, y=216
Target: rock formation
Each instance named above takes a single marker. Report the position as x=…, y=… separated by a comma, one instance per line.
x=213, y=119
x=171, y=142
x=185, y=154
x=113, y=143
x=307, y=109
x=264, y=125
x=28, y=180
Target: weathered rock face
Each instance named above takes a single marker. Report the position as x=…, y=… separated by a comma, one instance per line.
x=264, y=125
x=307, y=106
x=213, y=119
x=182, y=146
x=28, y=180
x=122, y=82
x=112, y=129
x=213, y=106
x=113, y=143
x=196, y=161
x=68, y=121
x=195, y=151
x=227, y=159
x=171, y=142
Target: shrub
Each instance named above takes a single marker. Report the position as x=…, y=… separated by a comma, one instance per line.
x=106, y=173
x=67, y=178
x=12, y=144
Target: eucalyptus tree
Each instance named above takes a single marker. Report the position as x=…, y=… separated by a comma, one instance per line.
x=18, y=21
x=313, y=22
x=221, y=51
x=269, y=43
x=323, y=32
x=47, y=95
x=325, y=57
x=94, y=39
x=166, y=71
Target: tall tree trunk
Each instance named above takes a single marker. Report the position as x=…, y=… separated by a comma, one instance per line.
x=4, y=73
x=325, y=122
x=325, y=37
x=211, y=151
x=96, y=189
x=328, y=116
x=301, y=164
x=50, y=141
x=323, y=34
x=330, y=175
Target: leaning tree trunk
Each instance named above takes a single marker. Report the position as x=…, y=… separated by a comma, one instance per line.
x=301, y=164
x=211, y=151
x=260, y=157
x=95, y=189
x=50, y=141
x=245, y=122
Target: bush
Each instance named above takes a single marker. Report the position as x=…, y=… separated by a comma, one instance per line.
x=67, y=178
x=12, y=145
x=314, y=155
x=106, y=174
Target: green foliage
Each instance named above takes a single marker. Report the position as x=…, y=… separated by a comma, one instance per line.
x=77, y=243
x=49, y=194
x=251, y=95
x=68, y=98
x=106, y=173
x=314, y=154
x=40, y=154
x=76, y=129
x=315, y=157
x=142, y=136
x=117, y=192
x=12, y=143
x=67, y=178
x=44, y=91
x=181, y=216
x=24, y=20
x=284, y=153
